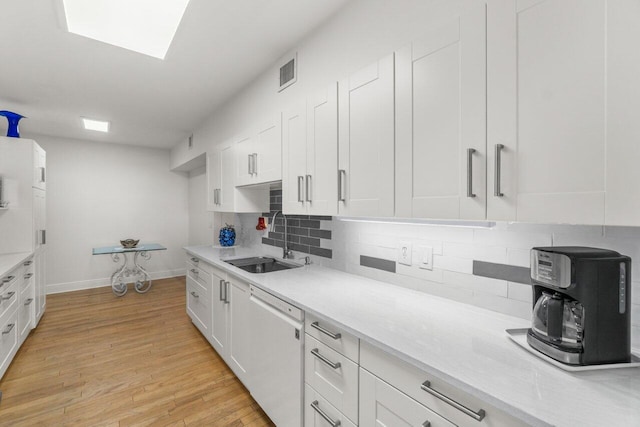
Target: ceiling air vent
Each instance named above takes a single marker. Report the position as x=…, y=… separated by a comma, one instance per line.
x=288, y=74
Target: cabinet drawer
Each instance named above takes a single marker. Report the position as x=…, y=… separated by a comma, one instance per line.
x=26, y=308
x=27, y=267
x=198, y=274
x=198, y=306
x=338, y=384
x=381, y=404
x=8, y=338
x=336, y=338
x=9, y=293
x=409, y=380
x=315, y=406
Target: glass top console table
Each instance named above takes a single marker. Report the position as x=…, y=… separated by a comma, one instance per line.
x=126, y=274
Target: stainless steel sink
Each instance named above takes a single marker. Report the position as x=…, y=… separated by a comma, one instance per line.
x=261, y=264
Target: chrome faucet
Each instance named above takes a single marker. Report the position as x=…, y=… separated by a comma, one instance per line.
x=286, y=252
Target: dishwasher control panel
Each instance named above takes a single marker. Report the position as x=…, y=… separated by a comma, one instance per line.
x=277, y=303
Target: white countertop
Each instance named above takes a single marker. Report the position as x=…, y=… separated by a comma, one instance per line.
x=9, y=261
x=461, y=344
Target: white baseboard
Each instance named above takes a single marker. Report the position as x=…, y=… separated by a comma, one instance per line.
x=58, y=288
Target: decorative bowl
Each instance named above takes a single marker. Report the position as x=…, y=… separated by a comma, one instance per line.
x=129, y=243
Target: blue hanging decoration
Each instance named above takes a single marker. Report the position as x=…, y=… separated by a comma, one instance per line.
x=227, y=235
x=13, y=119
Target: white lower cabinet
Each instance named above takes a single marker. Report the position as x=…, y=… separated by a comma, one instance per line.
x=199, y=296
x=318, y=412
x=383, y=405
x=425, y=390
x=239, y=328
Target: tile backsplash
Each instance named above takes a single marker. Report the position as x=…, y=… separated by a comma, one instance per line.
x=308, y=234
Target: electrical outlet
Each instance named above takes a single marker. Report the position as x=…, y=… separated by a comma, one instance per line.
x=404, y=253
x=426, y=260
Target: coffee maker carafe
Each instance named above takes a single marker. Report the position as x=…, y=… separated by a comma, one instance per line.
x=581, y=305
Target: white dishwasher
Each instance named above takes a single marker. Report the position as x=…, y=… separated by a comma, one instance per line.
x=277, y=361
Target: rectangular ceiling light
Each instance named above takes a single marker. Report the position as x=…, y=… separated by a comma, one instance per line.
x=99, y=125
x=144, y=26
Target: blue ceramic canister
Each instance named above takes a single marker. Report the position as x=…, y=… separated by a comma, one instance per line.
x=227, y=235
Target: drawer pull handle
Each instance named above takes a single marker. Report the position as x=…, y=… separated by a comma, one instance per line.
x=334, y=365
x=195, y=295
x=9, y=328
x=27, y=263
x=194, y=259
x=8, y=279
x=478, y=416
x=28, y=275
x=324, y=415
x=194, y=271
x=335, y=336
x=10, y=295
x=426, y=424
x=29, y=301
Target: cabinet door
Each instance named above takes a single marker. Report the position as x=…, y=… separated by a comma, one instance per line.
x=239, y=330
x=39, y=167
x=294, y=159
x=548, y=107
x=321, y=182
x=441, y=121
x=213, y=180
x=40, y=289
x=268, y=147
x=383, y=405
x=226, y=202
x=219, y=314
x=245, y=150
x=366, y=141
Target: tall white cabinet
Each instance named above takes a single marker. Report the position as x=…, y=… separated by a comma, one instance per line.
x=441, y=120
x=366, y=141
x=310, y=155
x=23, y=222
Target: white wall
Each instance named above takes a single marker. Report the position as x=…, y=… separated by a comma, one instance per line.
x=363, y=32
x=100, y=193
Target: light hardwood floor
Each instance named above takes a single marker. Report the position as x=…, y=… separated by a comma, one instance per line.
x=99, y=360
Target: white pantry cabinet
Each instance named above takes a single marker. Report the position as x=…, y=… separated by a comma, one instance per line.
x=310, y=155
x=222, y=194
x=548, y=110
x=441, y=120
x=259, y=153
x=366, y=141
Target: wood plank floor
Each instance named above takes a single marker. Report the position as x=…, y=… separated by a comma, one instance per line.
x=99, y=360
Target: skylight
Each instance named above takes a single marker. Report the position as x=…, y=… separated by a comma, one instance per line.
x=144, y=26
x=97, y=125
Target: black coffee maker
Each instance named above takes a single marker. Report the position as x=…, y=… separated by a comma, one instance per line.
x=581, y=305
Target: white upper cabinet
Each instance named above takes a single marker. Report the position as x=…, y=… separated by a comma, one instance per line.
x=259, y=154
x=547, y=110
x=366, y=141
x=222, y=194
x=310, y=155
x=441, y=120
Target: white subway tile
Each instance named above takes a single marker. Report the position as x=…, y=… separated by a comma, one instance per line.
x=381, y=240
x=519, y=257
x=502, y=305
x=635, y=314
x=635, y=339
x=635, y=292
x=419, y=273
x=510, y=239
x=519, y=292
x=443, y=233
x=581, y=230
x=475, y=283
x=495, y=254
x=460, y=265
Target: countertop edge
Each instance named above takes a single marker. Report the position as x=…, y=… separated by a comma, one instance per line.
x=18, y=258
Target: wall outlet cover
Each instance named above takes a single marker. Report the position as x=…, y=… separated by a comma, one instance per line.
x=404, y=253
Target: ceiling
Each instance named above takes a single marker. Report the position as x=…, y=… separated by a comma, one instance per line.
x=54, y=77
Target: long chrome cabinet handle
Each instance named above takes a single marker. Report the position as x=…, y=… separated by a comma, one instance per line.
x=342, y=175
x=498, y=171
x=250, y=158
x=9, y=328
x=324, y=415
x=478, y=416
x=10, y=295
x=28, y=301
x=335, y=336
x=222, y=285
x=43, y=175
x=334, y=365
x=226, y=292
x=215, y=196
x=300, y=180
x=195, y=295
x=308, y=188
x=254, y=156
x=470, y=152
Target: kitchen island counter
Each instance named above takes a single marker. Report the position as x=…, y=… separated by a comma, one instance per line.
x=463, y=345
